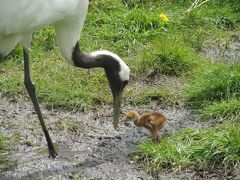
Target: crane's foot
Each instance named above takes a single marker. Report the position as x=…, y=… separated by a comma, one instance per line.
x=52, y=154
x=156, y=140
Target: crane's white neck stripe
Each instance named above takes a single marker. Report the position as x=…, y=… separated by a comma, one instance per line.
x=124, y=69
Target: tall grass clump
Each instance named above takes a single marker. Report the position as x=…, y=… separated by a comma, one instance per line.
x=214, y=19
x=209, y=148
x=120, y=29
x=220, y=14
x=225, y=110
x=215, y=83
x=132, y=29
x=167, y=56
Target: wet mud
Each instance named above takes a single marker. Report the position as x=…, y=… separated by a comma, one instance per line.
x=228, y=51
x=88, y=145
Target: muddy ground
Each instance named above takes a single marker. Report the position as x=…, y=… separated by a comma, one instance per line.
x=88, y=145
x=228, y=51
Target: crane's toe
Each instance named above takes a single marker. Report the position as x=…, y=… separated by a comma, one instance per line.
x=52, y=154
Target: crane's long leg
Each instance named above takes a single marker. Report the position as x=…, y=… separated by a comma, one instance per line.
x=31, y=91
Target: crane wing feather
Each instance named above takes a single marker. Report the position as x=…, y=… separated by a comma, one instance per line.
x=18, y=17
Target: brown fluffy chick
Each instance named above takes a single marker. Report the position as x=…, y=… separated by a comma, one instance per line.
x=153, y=121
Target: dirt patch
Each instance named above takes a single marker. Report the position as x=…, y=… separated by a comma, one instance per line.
x=88, y=145
x=228, y=51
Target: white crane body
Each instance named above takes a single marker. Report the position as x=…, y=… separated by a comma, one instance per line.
x=19, y=19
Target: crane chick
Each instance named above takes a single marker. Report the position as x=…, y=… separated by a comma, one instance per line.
x=153, y=121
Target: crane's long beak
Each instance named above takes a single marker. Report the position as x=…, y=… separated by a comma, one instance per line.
x=117, y=99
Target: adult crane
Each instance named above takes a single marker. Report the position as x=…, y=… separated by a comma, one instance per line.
x=18, y=21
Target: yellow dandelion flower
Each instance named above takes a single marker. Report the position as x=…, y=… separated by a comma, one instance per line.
x=164, y=18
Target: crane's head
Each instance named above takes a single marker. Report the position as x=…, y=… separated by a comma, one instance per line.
x=117, y=73
x=116, y=70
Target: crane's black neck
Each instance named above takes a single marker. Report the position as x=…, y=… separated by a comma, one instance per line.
x=84, y=60
x=87, y=61
x=110, y=64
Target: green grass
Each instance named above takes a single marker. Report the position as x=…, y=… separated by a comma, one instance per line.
x=208, y=149
x=226, y=110
x=169, y=56
x=215, y=83
x=3, y=149
x=214, y=89
x=133, y=30
x=58, y=84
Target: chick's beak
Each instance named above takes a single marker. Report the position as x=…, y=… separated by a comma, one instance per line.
x=126, y=121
